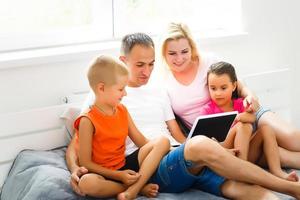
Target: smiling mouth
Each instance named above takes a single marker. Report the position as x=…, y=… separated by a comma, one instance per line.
x=178, y=65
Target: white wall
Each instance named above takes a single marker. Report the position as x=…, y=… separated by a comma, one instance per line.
x=272, y=43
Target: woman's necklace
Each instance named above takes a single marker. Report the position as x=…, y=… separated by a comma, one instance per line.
x=104, y=112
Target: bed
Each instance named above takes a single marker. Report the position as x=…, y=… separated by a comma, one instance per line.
x=32, y=159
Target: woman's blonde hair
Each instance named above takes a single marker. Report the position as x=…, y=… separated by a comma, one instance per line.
x=105, y=69
x=176, y=31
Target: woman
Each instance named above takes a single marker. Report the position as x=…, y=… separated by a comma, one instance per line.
x=188, y=76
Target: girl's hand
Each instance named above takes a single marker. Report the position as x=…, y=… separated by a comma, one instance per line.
x=128, y=177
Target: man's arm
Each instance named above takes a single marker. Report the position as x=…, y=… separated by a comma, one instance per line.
x=72, y=157
x=175, y=131
x=76, y=171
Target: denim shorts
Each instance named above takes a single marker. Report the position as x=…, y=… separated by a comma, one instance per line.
x=258, y=115
x=173, y=176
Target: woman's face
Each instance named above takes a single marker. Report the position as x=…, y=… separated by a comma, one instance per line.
x=178, y=55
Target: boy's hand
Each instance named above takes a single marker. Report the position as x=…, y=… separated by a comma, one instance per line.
x=129, y=177
x=75, y=176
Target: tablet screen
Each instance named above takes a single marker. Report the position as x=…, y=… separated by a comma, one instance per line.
x=215, y=125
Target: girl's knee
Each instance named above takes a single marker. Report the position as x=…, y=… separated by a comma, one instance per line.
x=244, y=127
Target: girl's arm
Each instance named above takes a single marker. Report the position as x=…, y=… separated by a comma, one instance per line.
x=176, y=131
x=250, y=99
x=135, y=135
x=86, y=131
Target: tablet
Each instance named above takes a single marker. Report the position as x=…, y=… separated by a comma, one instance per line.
x=215, y=125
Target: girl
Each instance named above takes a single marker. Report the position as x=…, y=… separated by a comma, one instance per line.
x=222, y=85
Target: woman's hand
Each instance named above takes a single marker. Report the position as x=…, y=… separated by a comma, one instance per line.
x=251, y=104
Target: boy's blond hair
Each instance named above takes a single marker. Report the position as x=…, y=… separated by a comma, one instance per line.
x=105, y=69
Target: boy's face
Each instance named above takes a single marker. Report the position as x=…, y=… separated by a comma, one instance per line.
x=113, y=94
x=140, y=63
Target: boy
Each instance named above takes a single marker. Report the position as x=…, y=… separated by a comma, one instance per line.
x=101, y=133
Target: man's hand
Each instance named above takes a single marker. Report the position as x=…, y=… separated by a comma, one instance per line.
x=129, y=177
x=251, y=104
x=75, y=176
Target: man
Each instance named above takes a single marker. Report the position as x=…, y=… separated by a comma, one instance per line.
x=194, y=162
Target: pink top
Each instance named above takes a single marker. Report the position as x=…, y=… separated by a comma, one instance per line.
x=212, y=108
x=187, y=100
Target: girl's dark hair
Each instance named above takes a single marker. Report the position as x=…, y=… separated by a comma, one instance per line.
x=221, y=68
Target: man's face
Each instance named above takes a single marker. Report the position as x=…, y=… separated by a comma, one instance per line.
x=140, y=63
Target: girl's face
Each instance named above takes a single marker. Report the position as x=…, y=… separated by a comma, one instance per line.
x=220, y=89
x=178, y=55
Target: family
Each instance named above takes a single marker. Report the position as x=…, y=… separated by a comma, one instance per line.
x=128, y=143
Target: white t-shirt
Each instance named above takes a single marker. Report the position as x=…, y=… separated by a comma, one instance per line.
x=149, y=108
x=187, y=100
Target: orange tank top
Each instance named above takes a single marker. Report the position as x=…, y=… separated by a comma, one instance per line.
x=108, y=145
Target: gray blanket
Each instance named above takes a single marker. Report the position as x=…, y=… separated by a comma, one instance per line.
x=44, y=175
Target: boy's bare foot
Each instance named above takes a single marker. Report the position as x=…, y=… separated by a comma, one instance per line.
x=150, y=190
x=125, y=196
x=292, y=176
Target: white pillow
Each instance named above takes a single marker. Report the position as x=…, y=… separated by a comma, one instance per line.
x=69, y=116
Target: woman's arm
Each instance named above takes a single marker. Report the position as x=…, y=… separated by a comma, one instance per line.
x=176, y=131
x=250, y=99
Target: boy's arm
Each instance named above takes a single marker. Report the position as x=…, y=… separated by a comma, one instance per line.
x=249, y=97
x=135, y=135
x=175, y=131
x=86, y=131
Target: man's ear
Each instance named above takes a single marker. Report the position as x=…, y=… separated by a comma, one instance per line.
x=123, y=59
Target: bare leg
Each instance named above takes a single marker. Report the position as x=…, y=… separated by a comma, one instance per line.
x=97, y=186
x=242, y=139
x=289, y=159
x=288, y=137
x=149, y=157
x=238, y=137
x=206, y=152
x=245, y=191
x=265, y=141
